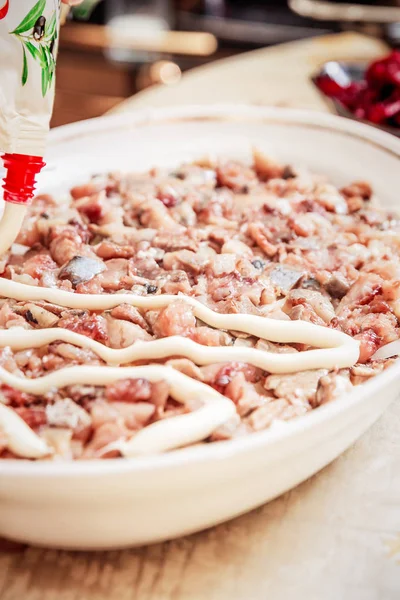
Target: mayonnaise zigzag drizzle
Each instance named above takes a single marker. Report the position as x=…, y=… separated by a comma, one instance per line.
x=342, y=356
x=214, y=409
x=271, y=329
x=336, y=350
x=11, y=224
x=339, y=350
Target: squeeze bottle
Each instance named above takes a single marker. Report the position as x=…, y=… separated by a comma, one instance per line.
x=29, y=31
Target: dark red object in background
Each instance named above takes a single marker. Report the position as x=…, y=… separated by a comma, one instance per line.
x=376, y=98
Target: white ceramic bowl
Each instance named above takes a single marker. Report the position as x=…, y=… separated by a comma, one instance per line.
x=117, y=503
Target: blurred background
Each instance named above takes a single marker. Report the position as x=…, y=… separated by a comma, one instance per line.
x=113, y=49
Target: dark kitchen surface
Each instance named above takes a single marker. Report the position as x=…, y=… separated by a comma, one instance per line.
x=92, y=78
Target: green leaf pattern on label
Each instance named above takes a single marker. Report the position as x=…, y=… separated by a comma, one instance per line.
x=38, y=37
x=24, y=69
x=29, y=21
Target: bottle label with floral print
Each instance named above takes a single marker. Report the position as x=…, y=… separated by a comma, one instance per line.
x=29, y=31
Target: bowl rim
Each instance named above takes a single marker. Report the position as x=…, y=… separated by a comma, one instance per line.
x=197, y=455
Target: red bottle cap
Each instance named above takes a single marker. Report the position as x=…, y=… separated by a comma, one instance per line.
x=20, y=180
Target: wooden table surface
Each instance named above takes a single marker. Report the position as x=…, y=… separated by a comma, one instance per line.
x=336, y=536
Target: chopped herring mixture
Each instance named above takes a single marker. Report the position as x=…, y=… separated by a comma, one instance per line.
x=267, y=239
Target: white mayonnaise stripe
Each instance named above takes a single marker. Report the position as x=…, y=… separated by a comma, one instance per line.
x=10, y=224
x=262, y=327
x=387, y=351
x=20, y=438
x=346, y=355
x=158, y=437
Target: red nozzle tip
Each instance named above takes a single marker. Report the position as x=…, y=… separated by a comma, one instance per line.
x=20, y=180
